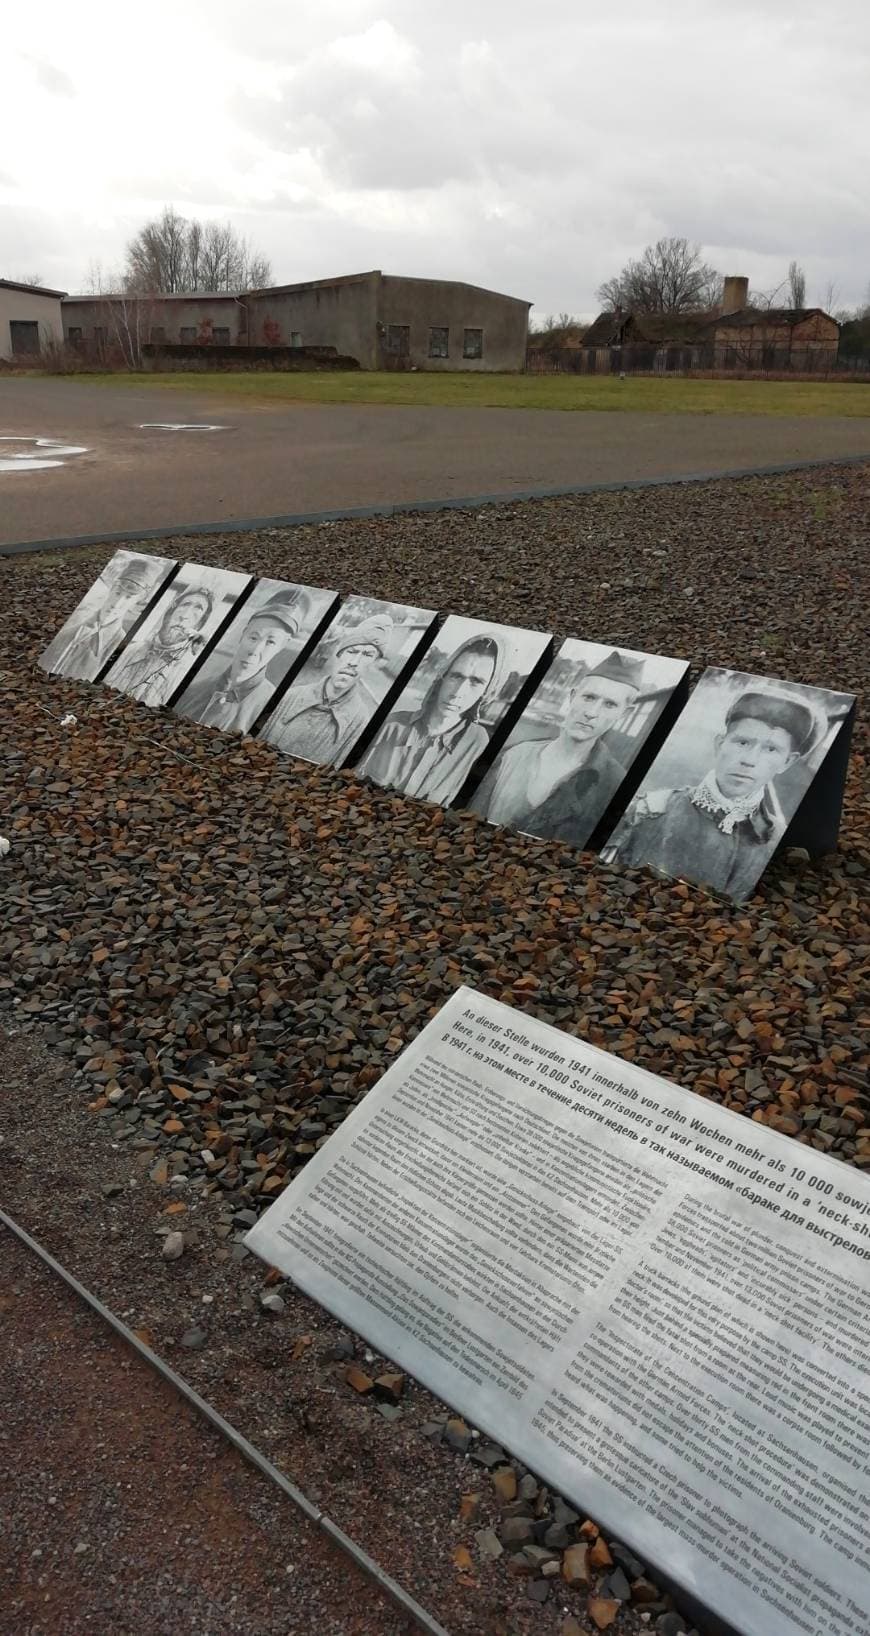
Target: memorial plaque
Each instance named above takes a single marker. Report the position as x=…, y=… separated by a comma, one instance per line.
x=345, y=686
x=456, y=708
x=98, y=628
x=661, y=1307
x=175, y=637
x=259, y=649
x=734, y=779
x=572, y=749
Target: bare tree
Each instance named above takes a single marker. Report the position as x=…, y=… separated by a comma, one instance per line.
x=669, y=277
x=766, y=300
x=797, y=285
x=829, y=299
x=34, y=279
x=176, y=256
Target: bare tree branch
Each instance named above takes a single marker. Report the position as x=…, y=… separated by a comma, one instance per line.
x=669, y=277
x=172, y=255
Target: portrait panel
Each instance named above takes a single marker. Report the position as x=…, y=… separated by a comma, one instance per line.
x=333, y=700
x=574, y=744
x=256, y=653
x=729, y=779
x=461, y=694
x=98, y=628
x=176, y=633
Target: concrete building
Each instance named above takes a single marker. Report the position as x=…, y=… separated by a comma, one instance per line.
x=382, y=321
x=30, y=318
x=103, y=323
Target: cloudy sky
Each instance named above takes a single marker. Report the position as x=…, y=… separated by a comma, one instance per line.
x=530, y=148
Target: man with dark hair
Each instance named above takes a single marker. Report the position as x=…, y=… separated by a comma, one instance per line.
x=240, y=692
x=557, y=783
x=430, y=752
x=722, y=830
x=321, y=721
x=152, y=666
x=88, y=641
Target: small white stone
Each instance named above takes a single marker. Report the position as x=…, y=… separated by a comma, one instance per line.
x=5, y=846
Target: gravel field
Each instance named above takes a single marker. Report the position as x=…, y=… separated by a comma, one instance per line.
x=207, y=946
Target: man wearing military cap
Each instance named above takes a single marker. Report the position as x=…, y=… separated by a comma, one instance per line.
x=321, y=721
x=558, y=783
x=89, y=639
x=238, y=695
x=722, y=830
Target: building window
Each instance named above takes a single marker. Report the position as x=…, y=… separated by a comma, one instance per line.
x=472, y=343
x=188, y=334
x=158, y=333
x=295, y=338
x=99, y=335
x=399, y=339
x=74, y=335
x=438, y=337
x=221, y=337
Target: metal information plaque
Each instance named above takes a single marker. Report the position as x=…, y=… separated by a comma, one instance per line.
x=661, y=1307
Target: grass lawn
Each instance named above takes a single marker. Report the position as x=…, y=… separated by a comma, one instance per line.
x=670, y=395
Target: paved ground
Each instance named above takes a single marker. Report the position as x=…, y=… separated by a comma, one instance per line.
x=275, y=461
x=126, y=1512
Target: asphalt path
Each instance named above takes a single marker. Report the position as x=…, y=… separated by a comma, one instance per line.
x=269, y=461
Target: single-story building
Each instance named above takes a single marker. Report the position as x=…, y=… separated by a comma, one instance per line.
x=732, y=335
x=30, y=318
x=384, y=322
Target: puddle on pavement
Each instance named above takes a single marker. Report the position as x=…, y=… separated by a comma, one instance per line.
x=35, y=453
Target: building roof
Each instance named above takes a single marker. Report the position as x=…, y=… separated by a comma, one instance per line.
x=751, y=317
x=30, y=289
x=375, y=272
x=691, y=328
x=156, y=295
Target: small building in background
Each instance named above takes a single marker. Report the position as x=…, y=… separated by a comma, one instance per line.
x=30, y=319
x=382, y=321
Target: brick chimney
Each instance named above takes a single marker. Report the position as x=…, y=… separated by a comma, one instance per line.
x=735, y=295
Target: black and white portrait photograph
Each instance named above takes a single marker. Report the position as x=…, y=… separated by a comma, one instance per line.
x=104, y=618
x=443, y=720
x=729, y=778
x=255, y=653
x=176, y=633
x=333, y=699
x=574, y=743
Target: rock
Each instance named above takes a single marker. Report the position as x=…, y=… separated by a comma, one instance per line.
x=173, y=1246
x=575, y=1565
x=515, y=1532
x=644, y=1591
x=603, y=1611
x=272, y=1302
x=488, y=1454
x=359, y=1380
x=389, y=1411
x=599, y=1553
x=489, y=1546
x=670, y=1624
x=193, y=1340
x=340, y=1350
x=616, y=1585
x=626, y=1559
x=457, y=1435
x=389, y=1386
x=537, y=1590
x=504, y=1482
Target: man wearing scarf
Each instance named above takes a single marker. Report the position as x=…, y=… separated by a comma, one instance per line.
x=151, y=668
x=321, y=721
x=429, y=752
x=722, y=830
x=558, y=783
x=238, y=695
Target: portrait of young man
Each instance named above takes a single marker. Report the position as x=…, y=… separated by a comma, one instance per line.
x=237, y=695
x=557, y=780
x=105, y=616
x=429, y=752
x=320, y=719
x=721, y=828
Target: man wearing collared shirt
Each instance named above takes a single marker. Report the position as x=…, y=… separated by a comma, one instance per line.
x=84, y=647
x=234, y=699
x=722, y=830
x=321, y=721
x=430, y=752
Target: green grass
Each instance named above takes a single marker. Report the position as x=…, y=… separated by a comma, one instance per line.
x=655, y=395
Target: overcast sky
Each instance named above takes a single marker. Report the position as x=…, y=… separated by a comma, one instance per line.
x=530, y=148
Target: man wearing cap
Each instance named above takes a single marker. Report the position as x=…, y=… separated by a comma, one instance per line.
x=153, y=665
x=321, y=720
x=234, y=698
x=722, y=830
x=558, y=784
x=87, y=642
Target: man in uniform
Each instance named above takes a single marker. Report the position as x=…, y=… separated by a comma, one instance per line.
x=321, y=721
x=429, y=752
x=238, y=695
x=88, y=641
x=152, y=666
x=558, y=783
x=722, y=831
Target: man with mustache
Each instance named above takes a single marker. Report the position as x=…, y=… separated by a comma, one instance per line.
x=152, y=667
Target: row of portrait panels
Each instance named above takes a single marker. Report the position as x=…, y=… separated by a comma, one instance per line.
x=595, y=745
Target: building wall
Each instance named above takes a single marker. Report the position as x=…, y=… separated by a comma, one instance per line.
x=340, y=313
x=29, y=307
x=815, y=333
x=420, y=305
x=98, y=317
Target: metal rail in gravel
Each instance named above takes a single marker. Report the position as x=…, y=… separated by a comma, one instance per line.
x=390, y=1587
x=245, y=525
